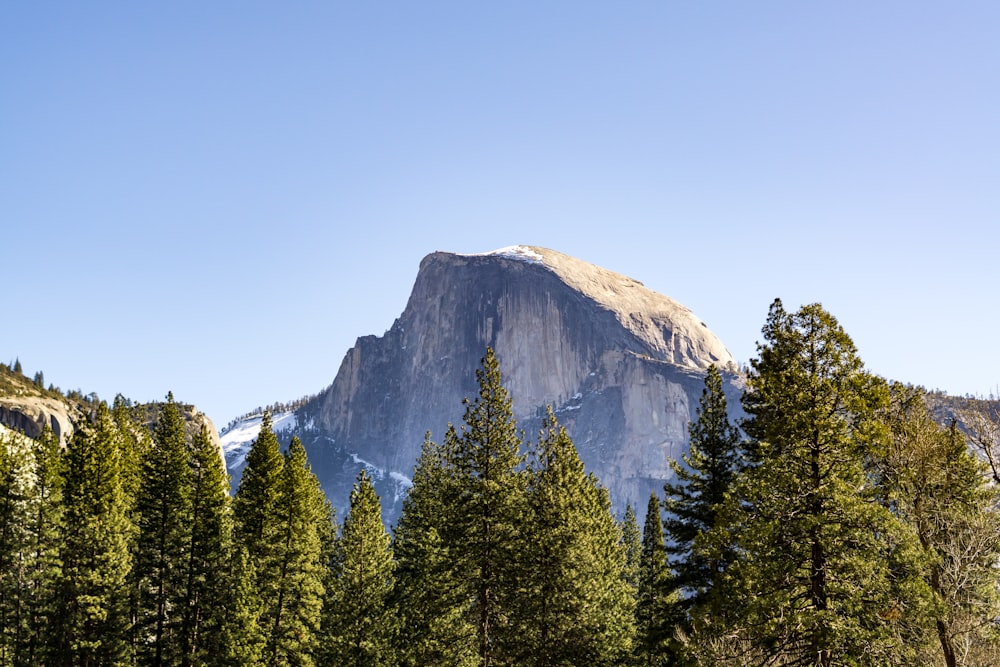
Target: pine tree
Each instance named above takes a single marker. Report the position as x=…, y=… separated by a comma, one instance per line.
x=203, y=599
x=435, y=628
x=135, y=443
x=655, y=612
x=45, y=523
x=457, y=541
x=632, y=545
x=242, y=638
x=359, y=620
x=165, y=522
x=823, y=571
x=574, y=606
x=482, y=535
x=92, y=601
x=291, y=581
x=713, y=460
x=15, y=470
x=256, y=501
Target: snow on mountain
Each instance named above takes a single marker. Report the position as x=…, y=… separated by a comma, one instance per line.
x=236, y=440
x=519, y=252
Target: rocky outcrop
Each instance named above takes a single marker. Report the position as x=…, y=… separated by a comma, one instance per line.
x=27, y=409
x=622, y=366
x=31, y=414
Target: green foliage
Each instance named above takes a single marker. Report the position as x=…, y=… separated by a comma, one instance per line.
x=204, y=601
x=360, y=622
x=714, y=459
x=574, y=604
x=291, y=576
x=850, y=529
x=823, y=571
x=256, y=501
x=92, y=598
x=241, y=633
x=435, y=628
x=44, y=525
x=657, y=612
x=632, y=546
x=482, y=531
x=931, y=480
x=165, y=522
x=15, y=470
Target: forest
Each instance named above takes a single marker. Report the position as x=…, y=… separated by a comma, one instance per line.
x=843, y=521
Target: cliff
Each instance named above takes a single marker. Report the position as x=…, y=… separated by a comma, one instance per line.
x=621, y=365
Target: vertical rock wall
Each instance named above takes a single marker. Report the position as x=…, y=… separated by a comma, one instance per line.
x=621, y=365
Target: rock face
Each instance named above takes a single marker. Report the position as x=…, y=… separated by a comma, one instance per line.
x=622, y=366
x=27, y=409
x=31, y=414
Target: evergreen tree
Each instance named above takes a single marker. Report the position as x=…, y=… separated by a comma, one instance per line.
x=482, y=534
x=632, y=545
x=92, y=602
x=655, y=613
x=203, y=600
x=45, y=523
x=135, y=442
x=256, y=501
x=242, y=638
x=823, y=572
x=714, y=458
x=291, y=580
x=359, y=620
x=15, y=468
x=165, y=522
x=574, y=605
x=435, y=628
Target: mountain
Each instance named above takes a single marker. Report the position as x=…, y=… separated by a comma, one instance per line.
x=622, y=366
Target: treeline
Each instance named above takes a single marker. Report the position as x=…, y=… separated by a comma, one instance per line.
x=274, y=408
x=839, y=525
x=843, y=526
x=12, y=378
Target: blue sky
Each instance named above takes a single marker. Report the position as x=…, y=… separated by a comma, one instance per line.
x=217, y=199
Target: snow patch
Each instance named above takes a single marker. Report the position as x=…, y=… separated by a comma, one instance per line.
x=521, y=253
x=236, y=441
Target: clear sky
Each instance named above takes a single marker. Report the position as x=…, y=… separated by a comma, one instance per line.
x=218, y=198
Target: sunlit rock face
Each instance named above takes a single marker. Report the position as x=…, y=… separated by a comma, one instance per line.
x=621, y=365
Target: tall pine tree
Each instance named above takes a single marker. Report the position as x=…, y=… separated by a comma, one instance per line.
x=92, y=599
x=15, y=470
x=484, y=527
x=208, y=551
x=632, y=544
x=45, y=523
x=574, y=606
x=823, y=571
x=431, y=599
x=710, y=467
x=291, y=579
x=165, y=522
x=656, y=609
x=256, y=501
x=359, y=623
